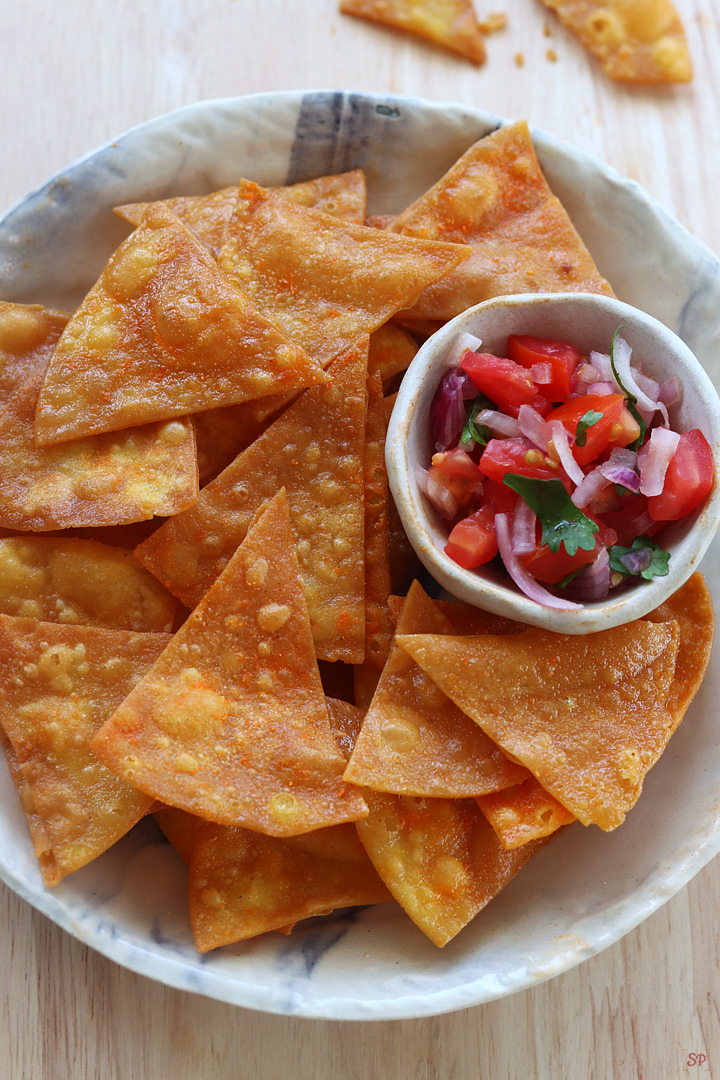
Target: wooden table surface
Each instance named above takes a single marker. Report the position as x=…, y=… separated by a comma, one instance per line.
x=77, y=73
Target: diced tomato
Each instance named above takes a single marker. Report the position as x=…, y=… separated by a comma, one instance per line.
x=630, y=519
x=516, y=456
x=503, y=381
x=563, y=359
x=472, y=542
x=502, y=498
x=615, y=428
x=458, y=474
x=688, y=479
x=552, y=568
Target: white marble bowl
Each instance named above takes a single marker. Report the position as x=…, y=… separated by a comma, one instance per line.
x=588, y=321
x=586, y=888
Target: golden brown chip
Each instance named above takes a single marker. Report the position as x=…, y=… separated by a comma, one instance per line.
x=314, y=450
x=38, y=833
x=586, y=714
x=110, y=479
x=639, y=41
x=450, y=23
x=379, y=221
x=28, y=335
x=345, y=721
x=414, y=740
x=79, y=581
x=222, y=434
x=179, y=827
x=391, y=350
x=523, y=813
x=496, y=200
x=439, y=858
x=323, y=281
x=162, y=333
x=231, y=723
x=343, y=196
x=60, y=683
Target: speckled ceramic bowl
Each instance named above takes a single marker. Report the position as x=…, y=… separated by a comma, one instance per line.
x=589, y=322
x=586, y=888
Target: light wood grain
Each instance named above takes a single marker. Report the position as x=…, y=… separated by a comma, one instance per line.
x=78, y=73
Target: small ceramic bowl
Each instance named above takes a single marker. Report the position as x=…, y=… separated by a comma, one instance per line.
x=588, y=321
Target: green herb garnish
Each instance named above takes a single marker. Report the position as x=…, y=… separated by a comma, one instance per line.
x=659, y=558
x=587, y=420
x=570, y=577
x=631, y=399
x=561, y=521
x=474, y=432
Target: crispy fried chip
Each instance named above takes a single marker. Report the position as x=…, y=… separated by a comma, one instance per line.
x=586, y=714
x=79, y=581
x=231, y=723
x=391, y=350
x=38, y=833
x=438, y=857
x=635, y=40
x=314, y=450
x=345, y=721
x=523, y=813
x=415, y=741
x=110, y=479
x=222, y=434
x=28, y=335
x=496, y=200
x=179, y=827
x=162, y=333
x=342, y=196
x=320, y=280
x=60, y=683
x=465, y=618
x=450, y=23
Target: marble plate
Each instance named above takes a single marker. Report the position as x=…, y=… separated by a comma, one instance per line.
x=587, y=888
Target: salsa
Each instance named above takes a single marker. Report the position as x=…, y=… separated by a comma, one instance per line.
x=563, y=466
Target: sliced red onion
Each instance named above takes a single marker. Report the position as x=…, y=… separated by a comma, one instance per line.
x=438, y=495
x=587, y=374
x=541, y=374
x=670, y=392
x=603, y=388
x=636, y=561
x=562, y=445
x=499, y=423
x=621, y=474
x=534, y=427
x=646, y=384
x=460, y=346
x=524, y=581
x=589, y=488
x=660, y=449
x=448, y=414
x=593, y=583
x=523, y=529
x=622, y=353
x=601, y=361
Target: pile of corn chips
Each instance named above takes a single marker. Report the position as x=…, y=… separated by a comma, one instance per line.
x=262, y=673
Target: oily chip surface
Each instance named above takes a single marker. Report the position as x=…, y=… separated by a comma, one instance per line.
x=587, y=715
x=450, y=23
x=315, y=450
x=38, y=833
x=28, y=335
x=162, y=333
x=60, y=684
x=231, y=723
x=523, y=813
x=496, y=201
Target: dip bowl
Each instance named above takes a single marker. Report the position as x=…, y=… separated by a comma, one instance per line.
x=589, y=322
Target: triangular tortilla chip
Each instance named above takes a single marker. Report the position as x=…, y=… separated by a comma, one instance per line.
x=587, y=714
x=38, y=833
x=79, y=581
x=342, y=196
x=523, y=813
x=314, y=450
x=110, y=479
x=322, y=281
x=465, y=618
x=392, y=350
x=60, y=683
x=231, y=723
x=439, y=858
x=414, y=740
x=450, y=23
x=28, y=335
x=162, y=333
x=496, y=200
x=639, y=41
x=179, y=828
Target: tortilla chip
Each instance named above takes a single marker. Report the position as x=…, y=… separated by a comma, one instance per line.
x=449, y=23
x=404, y=563
x=231, y=723
x=60, y=683
x=222, y=434
x=322, y=281
x=379, y=221
x=496, y=200
x=640, y=41
x=439, y=858
x=100, y=480
x=38, y=833
x=28, y=335
x=691, y=608
x=343, y=196
x=391, y=350
x=314, y=450
x=179, y=828
x=78, y=581
x=465, y=618
x=523, y=813
x=587, y=714
x=346, y=721
x=161, y=334
x=414, y=740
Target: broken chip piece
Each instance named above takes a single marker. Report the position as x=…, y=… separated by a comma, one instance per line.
x=450, y=23
x=523, y=813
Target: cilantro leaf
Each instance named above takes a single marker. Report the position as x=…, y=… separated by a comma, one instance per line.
x=644, y=559
x=569, y=577
x=587, y=420
x=631, y=399
x=474, y=432
x=561, y=521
